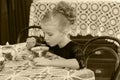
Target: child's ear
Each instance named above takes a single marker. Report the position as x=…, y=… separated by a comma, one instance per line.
x=66, y=30
x=70, y=26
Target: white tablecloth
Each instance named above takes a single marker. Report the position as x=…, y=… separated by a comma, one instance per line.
x=23, y=70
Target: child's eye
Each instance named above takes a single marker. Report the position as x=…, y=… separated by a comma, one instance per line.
x=50, y=34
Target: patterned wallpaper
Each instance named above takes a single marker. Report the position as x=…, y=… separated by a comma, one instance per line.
x=95, y=18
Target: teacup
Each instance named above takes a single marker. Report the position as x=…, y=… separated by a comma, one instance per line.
x=41, y=50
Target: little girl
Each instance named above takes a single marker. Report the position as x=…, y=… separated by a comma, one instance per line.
x=56, y=25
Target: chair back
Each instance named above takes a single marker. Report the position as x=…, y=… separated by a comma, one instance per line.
x=27, y=29
x=106, y=55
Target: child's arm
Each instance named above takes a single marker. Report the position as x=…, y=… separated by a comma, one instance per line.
x=70, y=63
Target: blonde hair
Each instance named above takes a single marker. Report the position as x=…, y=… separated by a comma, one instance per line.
x=64, y=12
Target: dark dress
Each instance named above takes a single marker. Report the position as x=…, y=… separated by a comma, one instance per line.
x=69, y=51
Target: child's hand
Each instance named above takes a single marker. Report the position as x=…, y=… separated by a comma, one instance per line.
x=42, y=61
x=53, y=56
x=31, y=42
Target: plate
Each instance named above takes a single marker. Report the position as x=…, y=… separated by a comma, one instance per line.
x=40, y=48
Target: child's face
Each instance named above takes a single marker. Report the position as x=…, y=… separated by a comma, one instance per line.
x=53, y=36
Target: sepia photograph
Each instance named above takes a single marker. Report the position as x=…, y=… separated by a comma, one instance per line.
x=59, y=39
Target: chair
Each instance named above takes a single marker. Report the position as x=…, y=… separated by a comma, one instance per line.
x=40, y=38
x=106, y=55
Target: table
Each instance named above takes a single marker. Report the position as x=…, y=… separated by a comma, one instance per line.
x=22, y=70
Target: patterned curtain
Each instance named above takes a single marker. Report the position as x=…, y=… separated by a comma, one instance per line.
x=96, y=18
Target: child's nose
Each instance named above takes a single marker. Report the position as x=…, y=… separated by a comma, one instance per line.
x=46, y=37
